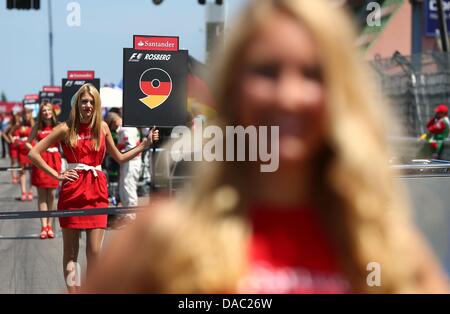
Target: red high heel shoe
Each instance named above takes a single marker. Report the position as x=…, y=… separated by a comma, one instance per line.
x=23, y=198
x=43, y=234
x=50, y=232
x=30, y=196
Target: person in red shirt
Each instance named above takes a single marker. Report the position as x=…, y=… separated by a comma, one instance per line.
x=44, y=183
x=22, y=131
x=12, y=139
x=438, y=128
x=324, y=217
x=84, y=139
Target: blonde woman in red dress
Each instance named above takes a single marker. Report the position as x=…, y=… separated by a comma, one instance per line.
x=23, y=130
x=44, y=183
x=85, y=139
x=12, y=139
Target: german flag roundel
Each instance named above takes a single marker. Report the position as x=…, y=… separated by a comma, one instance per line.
x=156, y=84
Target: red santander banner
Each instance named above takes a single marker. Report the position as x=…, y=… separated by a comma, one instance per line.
x=31, y=97
x=52, y=89
x=80, y=75
x=155, y=43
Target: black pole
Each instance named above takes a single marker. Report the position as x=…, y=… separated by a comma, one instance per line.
x=153, y=161
x=152, y=173
x=417, y=17
x=50, y=40
x=442, y=26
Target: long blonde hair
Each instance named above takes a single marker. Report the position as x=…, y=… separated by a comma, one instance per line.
x=17, y=119
x=40, y=120
x=73, y=122
x=30, y=122
x=363, y=209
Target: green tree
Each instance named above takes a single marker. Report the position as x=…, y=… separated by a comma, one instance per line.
x=3, y=97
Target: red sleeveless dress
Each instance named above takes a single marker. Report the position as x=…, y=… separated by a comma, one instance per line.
x=290, y=253
x=14, y=146
x=24, y=132
x=88, y=191
x=52, y=157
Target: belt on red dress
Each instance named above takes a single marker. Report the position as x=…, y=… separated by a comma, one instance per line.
x=80, y=166
x=52, y=149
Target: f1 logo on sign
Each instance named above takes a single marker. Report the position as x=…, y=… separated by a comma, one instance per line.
x=135, y=57
x=155, y=82
x=154, y=89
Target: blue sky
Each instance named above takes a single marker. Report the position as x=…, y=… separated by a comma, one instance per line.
x=107, y=26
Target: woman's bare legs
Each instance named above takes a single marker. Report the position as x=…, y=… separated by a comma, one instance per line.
x=94, y=241
x=50, y=204
x=43, y=204
x=22, y=180
x=71, y=238
x=14, y=172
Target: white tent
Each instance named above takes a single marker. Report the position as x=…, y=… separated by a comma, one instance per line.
x=111, y=97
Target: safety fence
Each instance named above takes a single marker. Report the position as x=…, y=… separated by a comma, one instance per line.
x=70, y=213
x=415, y=85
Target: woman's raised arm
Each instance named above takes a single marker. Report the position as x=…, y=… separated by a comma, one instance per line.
x=58, y=134
x=152, y=137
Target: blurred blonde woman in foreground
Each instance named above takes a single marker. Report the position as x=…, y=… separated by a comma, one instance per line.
x=331, y=208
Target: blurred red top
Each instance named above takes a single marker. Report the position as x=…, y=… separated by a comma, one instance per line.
x=290, y=253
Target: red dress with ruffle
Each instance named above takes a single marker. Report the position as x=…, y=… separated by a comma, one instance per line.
x=88, y=191
x=290, y=253
x=23, y=132
x=52, y=157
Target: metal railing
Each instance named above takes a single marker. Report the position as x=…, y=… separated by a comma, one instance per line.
x=415, y=85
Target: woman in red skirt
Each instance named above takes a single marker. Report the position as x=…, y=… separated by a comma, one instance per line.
x=23, y=131
x=84, y=138
x=44, y=183
x=12, y=139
